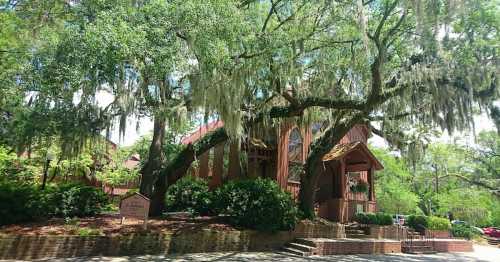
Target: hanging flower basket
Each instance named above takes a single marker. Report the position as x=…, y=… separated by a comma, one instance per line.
x=359, y=187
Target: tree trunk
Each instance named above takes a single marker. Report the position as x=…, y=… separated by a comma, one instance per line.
x=306, y=196
x=319, y=148
x=157, y=205
x=153, y=165
x=178, y=167
x=45, y=170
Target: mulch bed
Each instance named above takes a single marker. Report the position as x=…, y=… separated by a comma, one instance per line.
x=109, y=224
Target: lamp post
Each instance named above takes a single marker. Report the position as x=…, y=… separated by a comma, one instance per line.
x=48, y=158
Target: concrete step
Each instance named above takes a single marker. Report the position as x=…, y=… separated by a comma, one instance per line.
x=416, y=243
x=306, y=242
x=354, y=231
x=295, y=251
x=357, y=236
x=301, y=247
x=427, y=252
x=418, y=249
x=493, y=240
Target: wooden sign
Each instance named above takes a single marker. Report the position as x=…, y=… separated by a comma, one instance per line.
x=135, y=206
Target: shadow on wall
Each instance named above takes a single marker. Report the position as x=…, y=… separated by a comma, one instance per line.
x=187, y=240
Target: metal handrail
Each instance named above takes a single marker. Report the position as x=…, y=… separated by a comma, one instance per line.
x=409, y=240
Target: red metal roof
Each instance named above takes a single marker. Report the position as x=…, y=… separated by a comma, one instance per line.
x=201, y=132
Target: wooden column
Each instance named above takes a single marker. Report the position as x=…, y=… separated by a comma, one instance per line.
x=204, y=159
x=218, y=166
x=234, y=160
x=343, y=204
x=343, y=180
x=282, y=155
x=371, y=176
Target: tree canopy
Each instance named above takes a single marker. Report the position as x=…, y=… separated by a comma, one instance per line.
x=392, y=64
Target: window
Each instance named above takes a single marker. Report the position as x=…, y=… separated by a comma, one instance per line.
x=359, y=208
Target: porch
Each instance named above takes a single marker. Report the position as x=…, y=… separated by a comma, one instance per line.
x=345, y=167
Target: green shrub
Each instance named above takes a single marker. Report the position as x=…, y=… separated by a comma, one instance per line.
x=361, y=218
x=23, y=203
x=76, y=200
x=384, y=219
x=258, y=204
x=189, y=194
x=438, y=223
x=463, y=230
x=417, y=221
x=373, y=219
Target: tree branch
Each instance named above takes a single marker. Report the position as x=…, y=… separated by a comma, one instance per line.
x=494, y=190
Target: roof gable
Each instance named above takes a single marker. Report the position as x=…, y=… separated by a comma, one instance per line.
x=339, y=151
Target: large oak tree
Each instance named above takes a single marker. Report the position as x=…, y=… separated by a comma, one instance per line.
x=390, y=64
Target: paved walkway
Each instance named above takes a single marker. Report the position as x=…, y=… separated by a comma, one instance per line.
x=481, y=253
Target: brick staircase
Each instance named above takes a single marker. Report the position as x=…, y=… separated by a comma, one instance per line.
x=493, y=241
x=355, y=230
x=301, y=247
x=340, y=246
x=416, y=243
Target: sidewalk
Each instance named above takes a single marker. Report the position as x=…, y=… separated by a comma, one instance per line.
x=481, y=253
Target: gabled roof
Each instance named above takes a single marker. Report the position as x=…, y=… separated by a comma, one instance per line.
x=200, y=132
x=341, y=150
x=259, y=143
x=136, y=194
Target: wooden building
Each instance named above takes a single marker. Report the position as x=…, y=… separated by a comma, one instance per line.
x=278, y=153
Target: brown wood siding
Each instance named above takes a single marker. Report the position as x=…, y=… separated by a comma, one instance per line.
x=234, y=160
x=204, y=168
x=357, y=133
x=218, y=166
x=282, y=155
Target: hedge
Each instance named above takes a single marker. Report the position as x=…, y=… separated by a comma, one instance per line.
x=373, y=219
x=24, y=203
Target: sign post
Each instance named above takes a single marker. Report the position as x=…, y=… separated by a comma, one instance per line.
x=135, y=206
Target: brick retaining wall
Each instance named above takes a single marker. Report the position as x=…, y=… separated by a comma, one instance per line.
x=394, y=232
x=185, y=241
x=453, y=245
x=36, y=247
x=357, y=246
x=308, y=229
x=437, y=233
x=450, y=245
